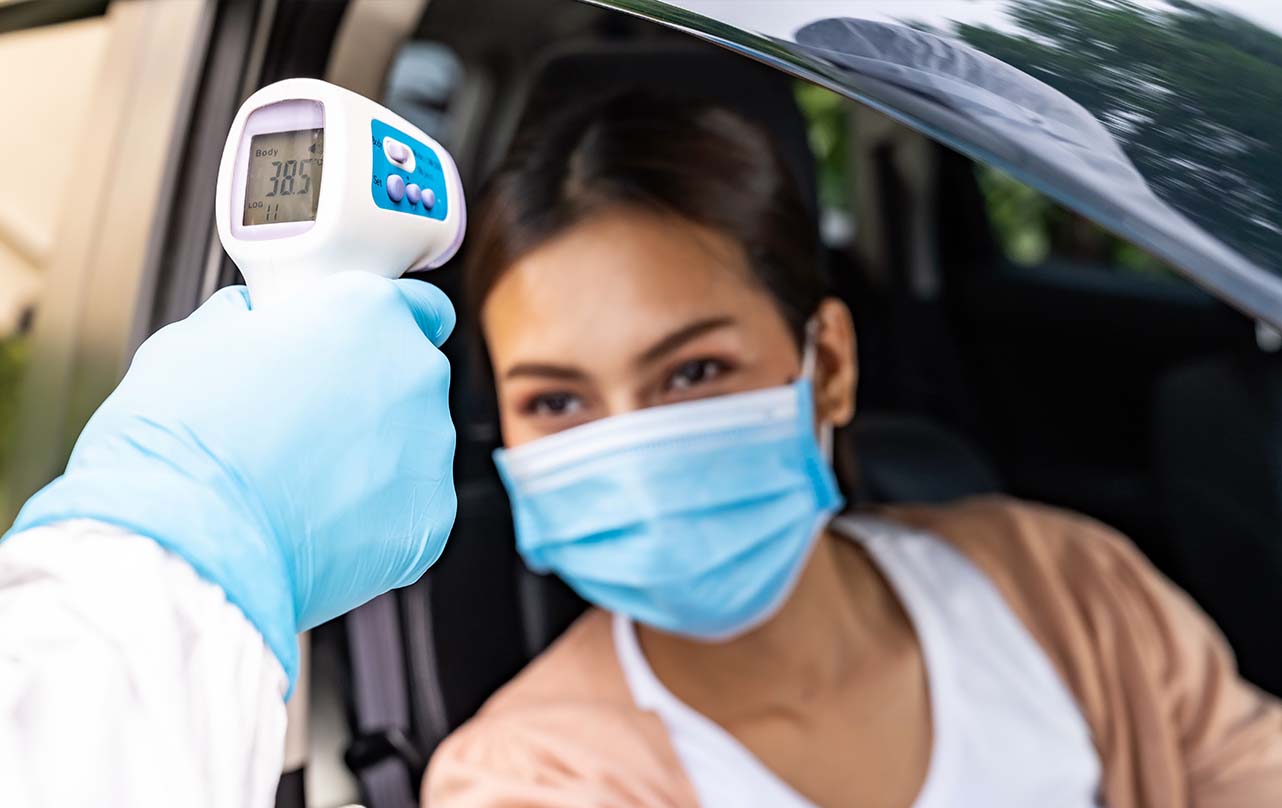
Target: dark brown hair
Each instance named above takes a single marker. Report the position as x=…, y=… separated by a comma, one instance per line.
x=675, y=157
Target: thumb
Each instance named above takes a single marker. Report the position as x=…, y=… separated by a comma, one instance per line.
x=224, y=301
x=432, y=309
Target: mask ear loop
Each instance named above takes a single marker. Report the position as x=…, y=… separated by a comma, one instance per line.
x=810, y=350
x=809, y=363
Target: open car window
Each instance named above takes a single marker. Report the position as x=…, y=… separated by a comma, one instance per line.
x=1030, y=230
x=1145, y=117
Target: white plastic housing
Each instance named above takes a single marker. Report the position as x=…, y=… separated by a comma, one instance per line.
x=351, y=231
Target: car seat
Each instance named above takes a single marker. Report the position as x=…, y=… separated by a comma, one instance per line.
x=1218, y=445
x=909, y=458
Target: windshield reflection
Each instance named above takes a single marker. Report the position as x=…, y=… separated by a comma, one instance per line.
x=1192, y=94
x=1183, y=95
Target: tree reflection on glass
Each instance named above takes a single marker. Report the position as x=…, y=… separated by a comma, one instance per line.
x=1192, y=94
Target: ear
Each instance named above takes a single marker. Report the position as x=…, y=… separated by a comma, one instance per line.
x=836, y=365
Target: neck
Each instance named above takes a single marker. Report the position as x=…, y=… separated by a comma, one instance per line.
x=836, y=619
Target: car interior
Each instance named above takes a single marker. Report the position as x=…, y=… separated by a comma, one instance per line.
x=1071, y=370
x=1124, y=393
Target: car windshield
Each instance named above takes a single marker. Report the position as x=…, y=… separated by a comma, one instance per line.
x=1156, y=119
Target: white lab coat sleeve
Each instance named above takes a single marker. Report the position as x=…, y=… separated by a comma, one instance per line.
x=127, y=680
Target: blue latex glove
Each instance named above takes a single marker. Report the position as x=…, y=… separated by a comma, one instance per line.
x=300, y=457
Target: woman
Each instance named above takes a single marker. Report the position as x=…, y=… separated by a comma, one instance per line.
x=669, y=373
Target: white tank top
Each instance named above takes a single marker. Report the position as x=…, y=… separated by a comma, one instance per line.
x=1007, y=732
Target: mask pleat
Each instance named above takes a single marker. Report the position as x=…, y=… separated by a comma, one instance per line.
x=666, y=484
x=671, y=550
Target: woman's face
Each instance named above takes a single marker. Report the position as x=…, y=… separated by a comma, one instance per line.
x=629, y=310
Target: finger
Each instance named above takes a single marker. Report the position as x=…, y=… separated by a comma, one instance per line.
x=432, y=309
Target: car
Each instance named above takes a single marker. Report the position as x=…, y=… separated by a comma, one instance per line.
x=1058, y=224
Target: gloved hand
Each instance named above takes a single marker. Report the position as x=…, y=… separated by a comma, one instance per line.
x=300, y=456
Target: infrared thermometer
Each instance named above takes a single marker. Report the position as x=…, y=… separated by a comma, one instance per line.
x=316, y=179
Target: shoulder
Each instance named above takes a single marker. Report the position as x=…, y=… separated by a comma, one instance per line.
x=1012, y=538
x=566, y=731
x=1090, y=599
x=1104, y=616
x=581, y=667
x=1007, y=515
x=1075, y=582
x=1151, y=673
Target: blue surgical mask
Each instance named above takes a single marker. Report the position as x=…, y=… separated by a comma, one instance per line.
x=695, y=518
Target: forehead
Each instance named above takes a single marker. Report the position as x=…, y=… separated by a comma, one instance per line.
x=618, y=279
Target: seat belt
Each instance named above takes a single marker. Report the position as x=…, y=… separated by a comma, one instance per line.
x=382, y=755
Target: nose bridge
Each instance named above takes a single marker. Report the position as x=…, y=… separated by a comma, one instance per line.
x=619, y=388
x=622, y=396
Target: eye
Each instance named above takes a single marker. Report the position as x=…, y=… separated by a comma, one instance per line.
x=695, y=372
x=554, y=405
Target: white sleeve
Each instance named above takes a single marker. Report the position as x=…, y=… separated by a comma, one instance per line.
x=126, y=679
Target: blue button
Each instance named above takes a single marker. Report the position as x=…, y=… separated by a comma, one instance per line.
x=429, y=198
x=414, y=193
x=395, y=187
x=398, y=151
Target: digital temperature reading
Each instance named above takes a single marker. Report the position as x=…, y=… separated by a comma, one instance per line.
x=284, y=177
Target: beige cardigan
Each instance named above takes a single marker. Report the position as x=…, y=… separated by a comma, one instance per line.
x=1174, y=725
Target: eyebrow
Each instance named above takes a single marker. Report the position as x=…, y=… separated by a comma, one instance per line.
x=681, y=336
x=544, y=370
x=665, y=345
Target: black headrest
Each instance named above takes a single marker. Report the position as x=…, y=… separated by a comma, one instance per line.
x=905, y=458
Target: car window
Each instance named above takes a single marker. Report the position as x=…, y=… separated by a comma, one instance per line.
x=1168, y=103
x=828, y=122
x=1031, y=230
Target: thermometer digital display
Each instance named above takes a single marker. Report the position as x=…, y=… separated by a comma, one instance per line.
x=316, y=179
x=284, y=178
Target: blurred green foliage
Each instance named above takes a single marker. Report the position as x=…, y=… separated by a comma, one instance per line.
x=13, y=355
x=1030, y=228
x=828, y=121
x=1018, y=214
x=1190, y=92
